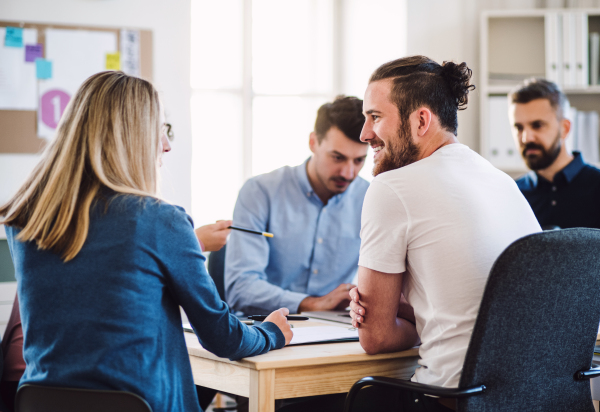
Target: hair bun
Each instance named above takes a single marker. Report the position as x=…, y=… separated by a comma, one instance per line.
x=458, y=77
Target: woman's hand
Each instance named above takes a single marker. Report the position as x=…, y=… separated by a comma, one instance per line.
x=357, y=312
x=214, y=236
x=278, y=317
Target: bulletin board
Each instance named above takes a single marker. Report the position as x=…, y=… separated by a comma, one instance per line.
x=19, y=128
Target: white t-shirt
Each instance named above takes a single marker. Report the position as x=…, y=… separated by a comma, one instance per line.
x=443, y=220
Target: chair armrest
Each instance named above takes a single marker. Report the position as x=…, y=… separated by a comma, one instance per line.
x=588, y=373
x=410, y=386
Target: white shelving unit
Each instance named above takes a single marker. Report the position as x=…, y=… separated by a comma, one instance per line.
x=513, y=48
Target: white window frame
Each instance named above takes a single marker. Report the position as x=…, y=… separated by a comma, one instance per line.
x=247, y=93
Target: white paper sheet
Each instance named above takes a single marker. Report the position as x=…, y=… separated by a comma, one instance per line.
x=314, y=334
x=75, y=56
x=130, y=52
x=18, y=84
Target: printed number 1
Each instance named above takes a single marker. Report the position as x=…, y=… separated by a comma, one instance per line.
x=56, y=103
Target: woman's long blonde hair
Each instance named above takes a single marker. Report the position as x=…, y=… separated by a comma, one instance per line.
x=108, y=136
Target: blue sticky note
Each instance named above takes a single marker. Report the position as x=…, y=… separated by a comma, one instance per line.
x=14, y=37
x=43, y=69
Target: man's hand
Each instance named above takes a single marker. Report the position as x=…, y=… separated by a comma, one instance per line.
x=337, y=299
x=214, y=236
x=357, y=312
x=381, y=329
x=278, y=317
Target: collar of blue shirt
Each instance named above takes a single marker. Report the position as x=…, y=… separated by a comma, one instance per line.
x=302, y=176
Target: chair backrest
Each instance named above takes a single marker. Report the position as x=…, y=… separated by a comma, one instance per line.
x=35, y=398
x=537, y=325
x=216, y=270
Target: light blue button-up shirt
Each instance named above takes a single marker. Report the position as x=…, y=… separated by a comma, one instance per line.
x=314, y=248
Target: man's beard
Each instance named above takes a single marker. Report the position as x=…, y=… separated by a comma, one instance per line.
x=546, y=158
x=398, y=152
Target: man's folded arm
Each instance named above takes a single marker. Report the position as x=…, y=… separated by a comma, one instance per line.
x=382, y=330
x=405, y=311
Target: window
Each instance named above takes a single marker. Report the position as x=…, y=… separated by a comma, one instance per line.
x=261, y=69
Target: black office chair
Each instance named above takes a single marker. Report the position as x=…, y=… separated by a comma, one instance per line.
x=35, y=398
x=533, y=340
x=216, y=269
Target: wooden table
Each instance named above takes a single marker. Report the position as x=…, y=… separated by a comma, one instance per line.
x=295, y=371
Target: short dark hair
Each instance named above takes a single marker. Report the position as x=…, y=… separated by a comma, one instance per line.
x=420, y=81
x=536, y=88
x=345, y=113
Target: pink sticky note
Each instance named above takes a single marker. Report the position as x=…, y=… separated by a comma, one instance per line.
x=33, y=51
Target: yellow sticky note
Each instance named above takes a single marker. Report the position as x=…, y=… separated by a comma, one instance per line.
x=113, y=61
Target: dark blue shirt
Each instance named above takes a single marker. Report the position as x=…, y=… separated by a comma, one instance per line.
x=572, y=199
x=109, y=318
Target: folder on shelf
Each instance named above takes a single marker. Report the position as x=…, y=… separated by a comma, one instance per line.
x=503, y=152
x=568, y=49
x=587, y=136
x=594, y=57
x=581, y=49
x=553, y=42
x=572, y=141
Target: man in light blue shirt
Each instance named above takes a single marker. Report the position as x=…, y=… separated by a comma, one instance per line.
x=314, y=212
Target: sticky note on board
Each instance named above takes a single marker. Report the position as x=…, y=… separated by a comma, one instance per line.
x=113, y=61
x=14, y=37
x=43, y=68
x=33, y=51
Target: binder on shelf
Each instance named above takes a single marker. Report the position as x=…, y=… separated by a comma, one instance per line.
x=594, y=58
x=503, y=152
x=568, y=49
x=581, y=49
x=553, y=42
x=572, y=141
x=585, y=135
x=591, y=152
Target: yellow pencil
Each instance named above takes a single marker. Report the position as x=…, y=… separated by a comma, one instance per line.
x=256, y=232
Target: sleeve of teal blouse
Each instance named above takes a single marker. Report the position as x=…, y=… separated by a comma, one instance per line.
x=192, y=287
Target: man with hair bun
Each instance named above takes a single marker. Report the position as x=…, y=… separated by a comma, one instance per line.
x=314, y=212
x=434, y=220
x=561, y=188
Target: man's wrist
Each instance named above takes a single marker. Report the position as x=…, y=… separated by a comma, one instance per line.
x=307, y=304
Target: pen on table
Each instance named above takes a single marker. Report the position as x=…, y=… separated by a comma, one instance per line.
x=260, y=318
x=256, y=232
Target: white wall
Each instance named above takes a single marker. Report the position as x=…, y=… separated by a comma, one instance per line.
x=449, y=30
x=170, y=24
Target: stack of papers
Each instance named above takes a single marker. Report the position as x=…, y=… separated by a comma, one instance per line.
x=313, y=334
x=323, y=334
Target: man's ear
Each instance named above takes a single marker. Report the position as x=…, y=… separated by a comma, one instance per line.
x=565, y=127
x=313, y=142
x=423, y=117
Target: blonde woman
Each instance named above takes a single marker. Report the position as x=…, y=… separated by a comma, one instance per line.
x=103, y=265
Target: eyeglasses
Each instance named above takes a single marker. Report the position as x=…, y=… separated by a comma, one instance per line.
x=168, y=130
